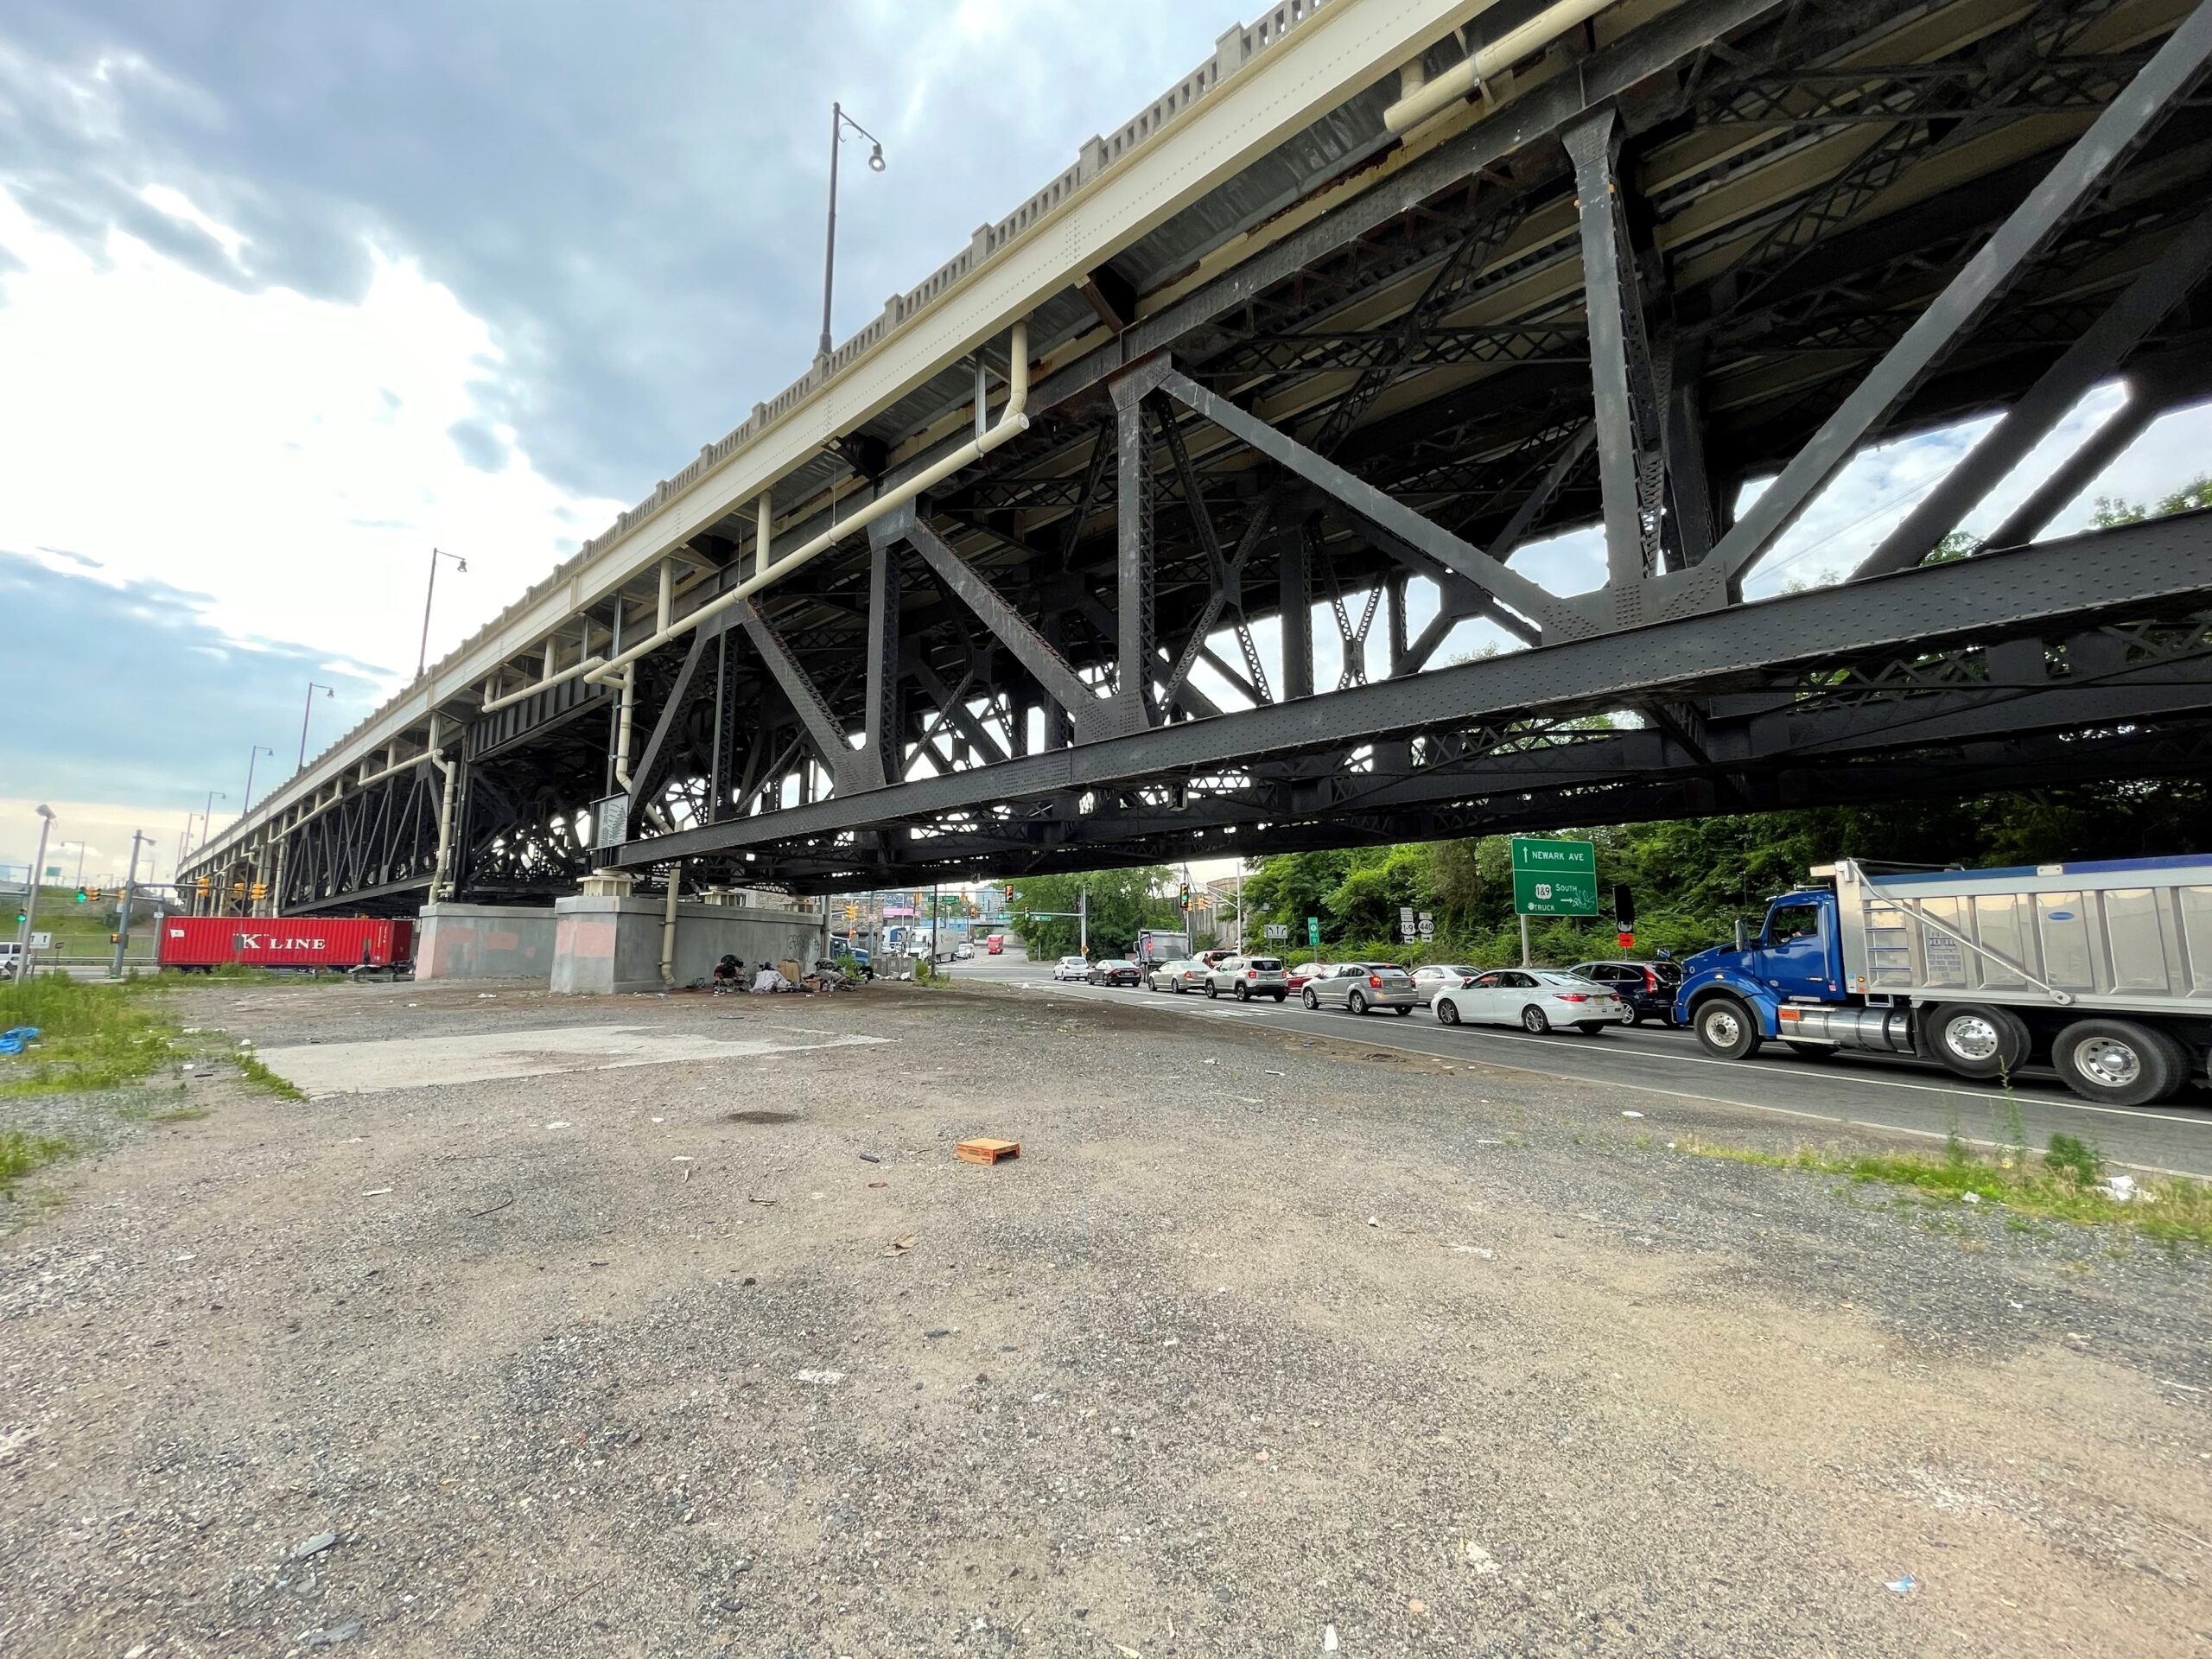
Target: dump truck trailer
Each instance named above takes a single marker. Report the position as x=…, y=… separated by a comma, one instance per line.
x=2102, y=967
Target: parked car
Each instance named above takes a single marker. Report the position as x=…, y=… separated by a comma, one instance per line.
x=1115, y=970
x=1359, y=985
x=1186, y=974
x=1433, y=978
x=1647, y=988
x=1296, y=978
x=1246, y=977
x=1071, y=968
x=1534, y=999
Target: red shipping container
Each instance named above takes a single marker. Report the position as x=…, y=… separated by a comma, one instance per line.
x=206, y=941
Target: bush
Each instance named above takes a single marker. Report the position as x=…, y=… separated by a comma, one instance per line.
x=2077, y=1160
x=925, y=971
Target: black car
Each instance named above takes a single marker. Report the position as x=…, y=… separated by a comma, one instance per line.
x=1647, y=988
x=1113, y=971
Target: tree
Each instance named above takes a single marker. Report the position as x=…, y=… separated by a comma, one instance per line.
x=2111, y=512
x=1122, y=902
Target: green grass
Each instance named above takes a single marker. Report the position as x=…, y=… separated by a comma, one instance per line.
x=21, y=1152
x=91, y=1035
x=2050, y=1188
x=251, y=1068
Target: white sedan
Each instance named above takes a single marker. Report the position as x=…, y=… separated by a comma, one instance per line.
x=1534, y=999
x=1071, y=968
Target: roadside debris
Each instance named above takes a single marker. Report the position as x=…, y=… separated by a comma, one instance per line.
x=985, y=1149
x=826, y=1379
x=1481, y=1559
x=870, y=1158
x=333, y=1635
x=375, y=1192
x=1328, y=1638
x=16, y=1039
x=1631, y=1114
x=900, y=1245
x=2119, y=1188
x=558, y=1123
x=308, y=1547
x=1903, y=1587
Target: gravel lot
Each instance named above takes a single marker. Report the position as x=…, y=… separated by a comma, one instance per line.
x=1266, y=1344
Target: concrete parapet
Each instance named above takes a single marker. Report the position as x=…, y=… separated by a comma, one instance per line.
x=484, y=942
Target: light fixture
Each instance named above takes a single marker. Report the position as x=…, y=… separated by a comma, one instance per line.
x=875, y=158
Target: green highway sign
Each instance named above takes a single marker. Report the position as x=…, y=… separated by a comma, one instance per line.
x=1554, y=878
x=1313, y=929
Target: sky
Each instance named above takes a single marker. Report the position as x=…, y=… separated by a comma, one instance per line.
x=292, y=296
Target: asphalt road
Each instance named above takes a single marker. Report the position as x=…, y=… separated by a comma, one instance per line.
x=1862, y=1090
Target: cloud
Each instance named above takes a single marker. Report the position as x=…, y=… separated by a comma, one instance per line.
x=163, y=703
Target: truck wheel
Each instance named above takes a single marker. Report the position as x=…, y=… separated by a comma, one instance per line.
x=1977, y=1040
x=1725, y=1027
x=2119, y=1062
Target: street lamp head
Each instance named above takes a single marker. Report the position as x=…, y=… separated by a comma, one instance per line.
x=875, y=159
x=461, y=567
x=46, y=812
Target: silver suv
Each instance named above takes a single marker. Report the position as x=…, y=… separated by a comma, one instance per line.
x=1359, y=985
x=1246, y=977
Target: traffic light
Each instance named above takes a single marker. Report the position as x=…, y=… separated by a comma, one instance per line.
x=1009, y=893
x=260, y=891
x=98, y=893
x=81, y=895
x=1183, y=898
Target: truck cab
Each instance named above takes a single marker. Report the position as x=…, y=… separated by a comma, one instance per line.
x=1980, y=971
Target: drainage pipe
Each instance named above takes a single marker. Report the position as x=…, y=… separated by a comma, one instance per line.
x=1469, y=72
x=1011, y=423
x=668, y=924
x=438, y=884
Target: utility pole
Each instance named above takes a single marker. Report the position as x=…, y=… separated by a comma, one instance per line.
x=129, y=889
x=1524, y=939
x=31, y=895
x=1083, y=921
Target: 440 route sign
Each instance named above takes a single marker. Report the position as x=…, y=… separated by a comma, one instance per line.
x=1554, y=878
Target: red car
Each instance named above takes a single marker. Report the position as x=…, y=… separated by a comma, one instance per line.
x=1296, y=978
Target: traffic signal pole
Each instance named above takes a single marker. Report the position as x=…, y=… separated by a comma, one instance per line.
x=129, y=888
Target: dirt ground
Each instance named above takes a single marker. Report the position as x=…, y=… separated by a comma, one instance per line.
x=1264, y=1346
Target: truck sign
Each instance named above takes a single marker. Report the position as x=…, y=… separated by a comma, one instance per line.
x=1554, y=878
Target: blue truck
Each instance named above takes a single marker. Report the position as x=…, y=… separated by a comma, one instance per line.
x=2101, y=968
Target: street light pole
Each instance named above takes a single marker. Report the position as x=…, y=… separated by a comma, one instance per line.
x=838, y=121
x=252, y=755
x=122, y=928
x=31, y=895
x=79, y=846
x=422, y=658
x=207, y=815
x=327, y=694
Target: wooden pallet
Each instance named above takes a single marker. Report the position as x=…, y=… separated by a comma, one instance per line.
x=985, y=1150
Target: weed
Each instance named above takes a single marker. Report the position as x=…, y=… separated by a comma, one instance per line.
x=2076, y=1159
x=92, y=1035
x=251, y=1069
x=2176, y=1212
x=21, y=1152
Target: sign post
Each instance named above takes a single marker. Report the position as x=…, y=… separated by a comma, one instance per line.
x=1314, y=932
x=1553, y=878
x=1405, y=922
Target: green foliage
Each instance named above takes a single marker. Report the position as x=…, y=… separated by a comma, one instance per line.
x=2174, y=1212
x=2110, y=512
x=92, y=1035
x=925, y=971
x=21, y=1152
x=1122, y=903
x=2077, y=1160
x=1693, y=878
x=251, y=1069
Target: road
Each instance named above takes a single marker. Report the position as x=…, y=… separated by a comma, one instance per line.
x=1858, y=1090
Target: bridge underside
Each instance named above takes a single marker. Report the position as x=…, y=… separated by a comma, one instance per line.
x=1254, y=577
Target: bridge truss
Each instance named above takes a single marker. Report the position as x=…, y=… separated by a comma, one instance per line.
x=1679, y=249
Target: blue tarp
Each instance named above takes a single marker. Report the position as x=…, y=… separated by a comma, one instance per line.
x=16, y=1039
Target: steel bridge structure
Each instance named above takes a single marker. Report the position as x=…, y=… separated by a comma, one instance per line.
x=1165, y=520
